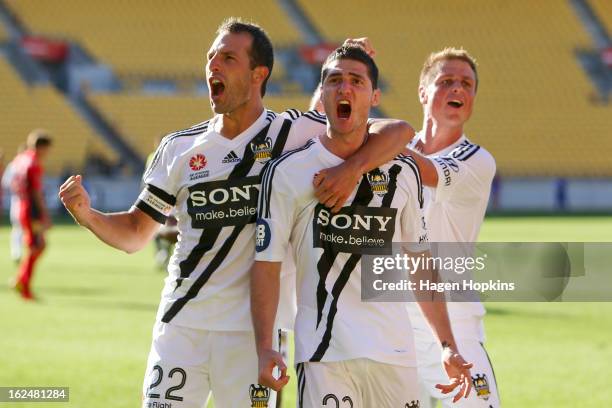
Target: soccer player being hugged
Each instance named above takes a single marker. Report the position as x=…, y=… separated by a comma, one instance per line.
x=457, y=174
x=209, y=174
x=349, y=353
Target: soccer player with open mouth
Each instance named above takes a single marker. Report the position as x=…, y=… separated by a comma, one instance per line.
x=203, y=339
x=457, y=175
x=348, y=352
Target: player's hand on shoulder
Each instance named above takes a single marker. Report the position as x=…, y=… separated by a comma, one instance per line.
x=458, y=371
x=363, y=42
x=268, y=359
x=75, y=198
x=334, y=185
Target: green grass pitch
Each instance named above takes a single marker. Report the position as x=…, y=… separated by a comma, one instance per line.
x=91, y=329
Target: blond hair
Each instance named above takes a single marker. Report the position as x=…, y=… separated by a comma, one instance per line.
x=447, y=54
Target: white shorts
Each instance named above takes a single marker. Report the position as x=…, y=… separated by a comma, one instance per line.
x=186, y=365
x=484, y=394
x=359, y=383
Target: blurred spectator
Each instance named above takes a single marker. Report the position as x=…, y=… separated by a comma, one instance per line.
x=16, y=232
x=561, y=194
x=27, y=185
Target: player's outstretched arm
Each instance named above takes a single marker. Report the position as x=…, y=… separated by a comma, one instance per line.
x=433, y=307
x=387, y=138
x=265, y=287
x=128, y=231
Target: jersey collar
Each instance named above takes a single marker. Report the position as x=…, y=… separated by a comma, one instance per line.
x=248, y=133
x=442, y=152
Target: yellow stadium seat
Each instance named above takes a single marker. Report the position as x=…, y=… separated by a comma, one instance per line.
x=142, y=120
x=603, y=9
x=152, y=37
x=3, y=34
x=534, y=109
x=24, y=108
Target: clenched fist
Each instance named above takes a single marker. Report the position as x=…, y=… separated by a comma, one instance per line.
x=76, y=199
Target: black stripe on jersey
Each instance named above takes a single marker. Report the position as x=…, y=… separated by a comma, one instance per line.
x=270, y=116
x=324, y=265
x=194, y=130
x=209, y=237
x=151, y=212
x=193, y=291
x=392, y=186
x=168, y=198
x=347, y=269
x=469, y=154
x=299, y=369
x=345, y=274
x=317, y=117
x=205, y=243
x=315, y=112
x=263, y=208
x=281, y=139
x=417, y=174
x=362, y=197
x=293, y=113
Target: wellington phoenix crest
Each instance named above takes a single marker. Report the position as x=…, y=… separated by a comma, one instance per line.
x=379, y=182
x=260, y=396
x=263, y=150
x=481, y=385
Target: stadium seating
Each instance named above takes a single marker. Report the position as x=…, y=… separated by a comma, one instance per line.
x=3, y=34
x=143, y=119
x=24, y=108
x=534, y=109
x=603, y=9
x=151, y=37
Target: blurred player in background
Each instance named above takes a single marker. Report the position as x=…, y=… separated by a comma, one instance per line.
x=359, y=353
x=457, y=174
x=27, y=185
x=210, y=174
x=16, y=242
x=167, y=235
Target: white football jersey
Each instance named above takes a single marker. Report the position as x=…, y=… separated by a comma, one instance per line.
x=333, y=323
x=213, y=184
x=454, y=212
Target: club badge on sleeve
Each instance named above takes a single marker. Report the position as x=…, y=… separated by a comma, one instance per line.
x=260, y=396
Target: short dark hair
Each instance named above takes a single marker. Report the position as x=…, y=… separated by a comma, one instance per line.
x=355, y=53
x=39, y=138
x=261, y=52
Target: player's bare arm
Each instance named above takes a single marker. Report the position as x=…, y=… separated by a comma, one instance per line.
x=433, y=307
x=128, y=231
x=387, y=138
x=265, y=287
x=429, y=175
